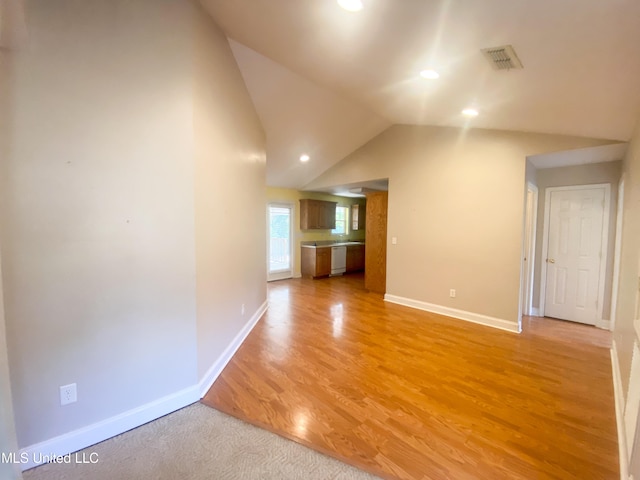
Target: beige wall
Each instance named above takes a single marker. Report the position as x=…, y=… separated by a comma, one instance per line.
x=97, y=240
x=608, y=172
x=456, y=204
x=8, y=442
x=292, y=197
x=230, y=196
x=130, y=129
x=624, y=334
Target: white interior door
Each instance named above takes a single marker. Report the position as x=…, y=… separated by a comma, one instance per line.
x=575, y=253
x=280, y=258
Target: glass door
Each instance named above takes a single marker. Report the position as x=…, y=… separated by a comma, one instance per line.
x=279, y=222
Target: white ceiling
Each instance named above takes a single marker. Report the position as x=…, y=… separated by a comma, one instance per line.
x=13, y=27
x=324, y=79
x=580, y=156
x=301, y=117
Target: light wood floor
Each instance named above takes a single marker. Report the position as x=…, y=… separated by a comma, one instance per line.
x=408, y=394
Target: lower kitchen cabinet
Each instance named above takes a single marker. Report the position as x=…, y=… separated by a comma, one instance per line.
x=355, y=258
x=315, y=262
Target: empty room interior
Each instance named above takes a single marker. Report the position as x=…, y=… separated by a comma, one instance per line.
x=404, y=234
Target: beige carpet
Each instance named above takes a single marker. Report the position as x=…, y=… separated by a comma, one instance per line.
x=199, y=442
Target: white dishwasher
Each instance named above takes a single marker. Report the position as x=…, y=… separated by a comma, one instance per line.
x=338, y=260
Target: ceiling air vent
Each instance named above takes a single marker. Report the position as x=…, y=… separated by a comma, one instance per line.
x=502, y=58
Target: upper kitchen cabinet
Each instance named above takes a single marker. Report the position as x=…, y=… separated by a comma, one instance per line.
x=358, y=212
x=317, y=214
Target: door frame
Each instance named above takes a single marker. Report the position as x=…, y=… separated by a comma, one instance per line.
x=616, y=254
x=604, y=244
x=289, y=273
x=530, y=227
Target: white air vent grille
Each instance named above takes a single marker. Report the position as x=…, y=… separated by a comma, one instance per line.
x=502, y=58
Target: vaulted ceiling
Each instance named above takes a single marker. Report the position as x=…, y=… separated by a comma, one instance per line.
x=325, y=80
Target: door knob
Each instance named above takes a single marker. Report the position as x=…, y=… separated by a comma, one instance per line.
x=551, y=260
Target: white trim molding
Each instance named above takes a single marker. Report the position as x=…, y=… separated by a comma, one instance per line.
x=535, y=312
x=216, y=369
x=604, y=324
x=618, y=398
x=97, y=432
x=455, y=313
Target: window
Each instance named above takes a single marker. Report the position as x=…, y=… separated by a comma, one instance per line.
x=342, y=221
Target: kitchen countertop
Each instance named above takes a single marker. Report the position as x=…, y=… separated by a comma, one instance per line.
x=329, y=243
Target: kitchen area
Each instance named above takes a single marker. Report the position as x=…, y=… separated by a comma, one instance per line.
x=333, y=235
x=323, y=258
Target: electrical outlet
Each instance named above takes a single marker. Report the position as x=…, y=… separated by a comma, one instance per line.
x=452, y=293
x=68, y=394
x=242, y=309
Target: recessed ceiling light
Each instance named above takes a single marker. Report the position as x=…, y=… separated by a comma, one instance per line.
x=470, y=112
x=351, y=5
x=429, y=74
x=304, y=157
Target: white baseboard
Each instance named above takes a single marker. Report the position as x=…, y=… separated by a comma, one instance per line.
x=452, y=312
x=100, y=431
x=217, y=367
x=105, y=429
x=604, y=324
x=618, y=396
x=535, y=312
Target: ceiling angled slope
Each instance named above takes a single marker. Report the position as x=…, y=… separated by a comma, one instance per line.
x=581, y=58
x=301, y=117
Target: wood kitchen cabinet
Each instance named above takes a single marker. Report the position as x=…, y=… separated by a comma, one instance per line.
x=375, y=271
x=315, y=262
x=355, y=258
x=317, y=214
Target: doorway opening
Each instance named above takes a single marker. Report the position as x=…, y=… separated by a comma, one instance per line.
x=574, y=255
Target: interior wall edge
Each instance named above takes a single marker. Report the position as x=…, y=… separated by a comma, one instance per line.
x=8, y=439
x=216, y=369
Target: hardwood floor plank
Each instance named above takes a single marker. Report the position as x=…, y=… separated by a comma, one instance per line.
x=414, y=395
